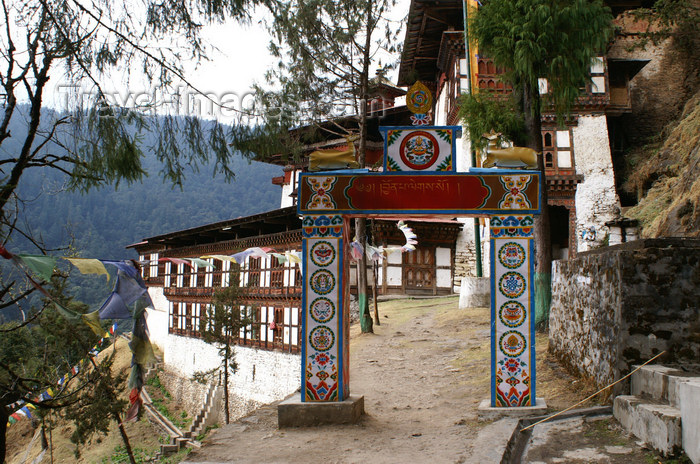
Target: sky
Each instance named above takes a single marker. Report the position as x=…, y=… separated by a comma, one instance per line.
x=239, y=59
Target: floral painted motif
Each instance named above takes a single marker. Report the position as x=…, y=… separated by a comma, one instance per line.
x=515, y=197
x=320, y=199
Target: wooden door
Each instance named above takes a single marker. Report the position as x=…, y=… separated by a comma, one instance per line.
x=419, y=271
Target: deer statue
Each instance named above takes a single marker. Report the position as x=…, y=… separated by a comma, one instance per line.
x=335, y=158
x=512, y=157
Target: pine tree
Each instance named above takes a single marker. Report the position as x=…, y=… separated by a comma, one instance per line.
x=220, y=325
x=552, y=39
x=326, y=49
x=95, y=144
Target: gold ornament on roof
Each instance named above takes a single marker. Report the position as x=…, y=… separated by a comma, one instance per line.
x=419, y=100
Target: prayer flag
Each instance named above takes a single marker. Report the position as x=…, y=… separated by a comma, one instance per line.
x=292, y=257
x=124, y=266
x=41, y=265
x=92, y=320
x=280, y=257
x=176, y=261
x=258, y=252
x=200, y=262
x=114, y=308
x=241, y=257
x=89, y=266
x=356, y=250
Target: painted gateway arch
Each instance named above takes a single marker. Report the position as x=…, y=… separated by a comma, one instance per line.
x=419, y=180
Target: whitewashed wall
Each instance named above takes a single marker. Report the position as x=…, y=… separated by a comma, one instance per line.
x=157, y=318
x=287, y=190
x=596, y=199
x=443, y=258
x=263, y=376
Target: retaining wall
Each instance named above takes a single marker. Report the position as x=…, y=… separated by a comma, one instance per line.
x=261, y=377
x=621, y=305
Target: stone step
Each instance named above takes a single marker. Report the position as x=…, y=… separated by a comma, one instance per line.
x=660, y=383
x=168, y=449
x=689, y=398
x=658, y=425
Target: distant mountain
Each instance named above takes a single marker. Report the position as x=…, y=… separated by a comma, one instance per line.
x=103, y=221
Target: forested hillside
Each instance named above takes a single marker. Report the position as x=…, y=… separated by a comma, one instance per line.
x=103, y=221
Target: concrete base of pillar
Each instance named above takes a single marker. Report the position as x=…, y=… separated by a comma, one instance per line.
x=486, y=412
x=292, y=412
x=475, y=292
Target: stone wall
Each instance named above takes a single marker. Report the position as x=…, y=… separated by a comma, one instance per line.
x=465, y=253
x=262, y=376
x=621, y=305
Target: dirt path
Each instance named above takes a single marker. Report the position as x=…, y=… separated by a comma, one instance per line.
x=423, y=373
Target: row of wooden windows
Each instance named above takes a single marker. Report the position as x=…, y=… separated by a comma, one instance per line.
x=269, y=327
x=257, y=272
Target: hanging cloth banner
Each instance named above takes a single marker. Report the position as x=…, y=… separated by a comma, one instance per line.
x=175, y=261
x=356, y=250
x=92, y=320
x=200, y=262
x=49, y=393
x=293, y=256
x=219, y=257
x=89, y=266
x=240, y=257
x=374, y=253
x=280, y=257
x=41, y=265
x=258, y=252
x=125, y=266
x=392, y=249
x=411, y=237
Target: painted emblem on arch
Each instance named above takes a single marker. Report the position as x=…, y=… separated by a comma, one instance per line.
x=515, y=197
x=512, y=343
x=322, y=338
x=322, y=282
x=511, y=255
x=322, y=310
x=321, y=188
x=419, y=150
x=512, y=284
x=322, y=253
x=512, y=313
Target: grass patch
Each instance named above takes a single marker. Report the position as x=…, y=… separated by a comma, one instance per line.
x=177, y=457
x=119, y=456
x=162, y=400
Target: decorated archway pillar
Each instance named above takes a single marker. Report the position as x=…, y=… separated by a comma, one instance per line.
x=512, y=322
x=324, y=352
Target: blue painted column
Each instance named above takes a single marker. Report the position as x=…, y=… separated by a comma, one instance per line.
x=512, y=305
x=324, y=351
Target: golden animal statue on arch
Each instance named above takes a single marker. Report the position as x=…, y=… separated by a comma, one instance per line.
x=509, y=157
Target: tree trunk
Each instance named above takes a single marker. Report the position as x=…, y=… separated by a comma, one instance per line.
x=361, y=223
x=125, y=438
x=543, y=247
x=228, y=353
x=3, y=430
